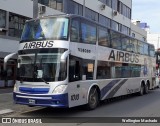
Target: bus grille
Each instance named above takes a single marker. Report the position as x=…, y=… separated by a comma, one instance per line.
x=30, y=90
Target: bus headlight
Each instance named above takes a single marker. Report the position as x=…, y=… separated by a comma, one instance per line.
x=59, y=89
x=15, y=88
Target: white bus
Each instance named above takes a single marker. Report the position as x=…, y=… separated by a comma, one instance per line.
x=68, y=60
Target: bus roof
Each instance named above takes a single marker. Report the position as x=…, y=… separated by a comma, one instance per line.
x=74, y=15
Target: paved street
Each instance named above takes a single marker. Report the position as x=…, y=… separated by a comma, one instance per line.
x=132, y=106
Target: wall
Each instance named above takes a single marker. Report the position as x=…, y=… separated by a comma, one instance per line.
x=108, y=12
x=23, y=7
x=8, y=45
x=154, y=39
x=139, y=33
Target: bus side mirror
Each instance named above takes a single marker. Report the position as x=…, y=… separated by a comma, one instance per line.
x=64, y=56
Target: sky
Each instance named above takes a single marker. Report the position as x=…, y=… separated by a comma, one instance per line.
x=147, y=11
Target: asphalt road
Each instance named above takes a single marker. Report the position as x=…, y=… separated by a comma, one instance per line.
x=125, y=107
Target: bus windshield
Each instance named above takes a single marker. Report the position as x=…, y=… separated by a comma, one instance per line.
x=41, y=67
x=44, y=29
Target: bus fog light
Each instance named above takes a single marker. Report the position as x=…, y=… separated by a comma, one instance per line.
x=57, y=102
x=60, y=89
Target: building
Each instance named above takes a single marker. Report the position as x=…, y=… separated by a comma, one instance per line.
x=115, y=14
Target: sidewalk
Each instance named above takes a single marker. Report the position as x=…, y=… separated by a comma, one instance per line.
x=6, y=90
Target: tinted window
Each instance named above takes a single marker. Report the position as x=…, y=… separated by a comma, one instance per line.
x=74, y=8
x=103, y=37
x=88, y=33
x=91, y=14
x=151, y=50
x=104, y=21
x=80, y=69
x=2, y=19
x=134, y=45
x=116, y=40
x=135, y=70
x=140, y=47
x=122, y=70
x=145, y=49
x=75, y=30
x=103, y=70
x=126, y=43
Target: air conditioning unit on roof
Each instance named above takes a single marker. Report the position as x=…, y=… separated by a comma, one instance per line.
x=42, y=9
x=115, y=13
x=103, y=6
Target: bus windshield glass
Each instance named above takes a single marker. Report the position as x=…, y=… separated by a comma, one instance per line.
x=41, y=66
x=45, y=29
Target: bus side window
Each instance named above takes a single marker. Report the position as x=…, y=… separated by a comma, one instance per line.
x=75, y=31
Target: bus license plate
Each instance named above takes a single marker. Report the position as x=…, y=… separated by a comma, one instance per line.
x=32, y=101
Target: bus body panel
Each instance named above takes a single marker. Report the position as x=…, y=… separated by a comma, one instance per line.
x=76, y=92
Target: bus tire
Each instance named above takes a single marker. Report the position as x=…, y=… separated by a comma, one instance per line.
x=141, y=92
x=93, y=99
x=146, y=88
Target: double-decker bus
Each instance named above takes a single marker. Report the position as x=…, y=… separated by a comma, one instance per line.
x=68, y=60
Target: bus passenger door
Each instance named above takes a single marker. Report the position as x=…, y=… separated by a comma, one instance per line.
x=74, y=86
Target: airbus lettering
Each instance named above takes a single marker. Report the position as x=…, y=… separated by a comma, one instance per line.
x=39, y=44
x=122, y=56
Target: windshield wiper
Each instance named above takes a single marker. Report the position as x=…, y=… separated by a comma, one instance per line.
x=41, y=78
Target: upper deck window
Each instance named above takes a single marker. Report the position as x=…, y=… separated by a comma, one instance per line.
x=43, y=29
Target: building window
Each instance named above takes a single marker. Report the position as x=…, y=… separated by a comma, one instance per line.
x=140, y=48
x=146, y=50
x=151, y=50
x=126, y=46
x=134, y=45
x=124, y=10
x=115, y=25
x=74, y=8
x=2, y=19
x=91, y=14
x=116, y=42
x=16, y=24
x=114, y=4
x=103, y=37
x=125, y=30
x=133, y=35
x=55, y=4
x=104, y=21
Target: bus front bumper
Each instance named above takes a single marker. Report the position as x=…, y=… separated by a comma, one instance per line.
x=60, y=101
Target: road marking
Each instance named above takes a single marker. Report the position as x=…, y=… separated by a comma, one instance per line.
x=5, y=111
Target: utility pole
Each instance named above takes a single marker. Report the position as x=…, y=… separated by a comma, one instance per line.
x=35, y=8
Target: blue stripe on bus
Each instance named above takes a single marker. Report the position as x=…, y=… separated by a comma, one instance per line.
x=108, y=87
x=114, y=91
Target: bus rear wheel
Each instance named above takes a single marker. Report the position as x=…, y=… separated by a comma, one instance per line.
x=141, y=92
x=146, y=89
x=93, y=99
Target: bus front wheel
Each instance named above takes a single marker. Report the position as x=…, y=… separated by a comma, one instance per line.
x=93, y=99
